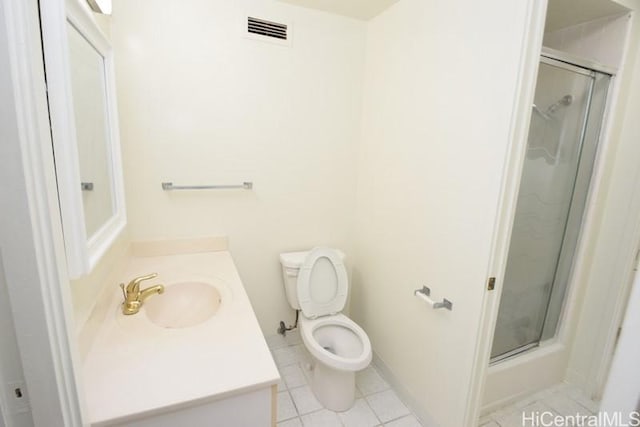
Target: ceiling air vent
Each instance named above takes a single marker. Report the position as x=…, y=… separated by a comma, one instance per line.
x=272, y=30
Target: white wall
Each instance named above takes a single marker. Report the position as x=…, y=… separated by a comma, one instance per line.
x=201, y=104
x=622, y=391
x=86, y=290
x=11, y=369
x=10, y=363
x=439, y=98
x=31, y=242
x=598, y=40
x=606, y=271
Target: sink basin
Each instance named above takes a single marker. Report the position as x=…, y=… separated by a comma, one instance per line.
x=183, y=304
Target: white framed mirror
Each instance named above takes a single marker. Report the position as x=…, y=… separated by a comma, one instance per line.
x=84, y=126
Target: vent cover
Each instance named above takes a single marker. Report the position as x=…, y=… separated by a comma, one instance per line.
x=265, y=28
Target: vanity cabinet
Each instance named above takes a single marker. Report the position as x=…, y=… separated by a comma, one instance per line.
x=255, y=408
x=142, y=370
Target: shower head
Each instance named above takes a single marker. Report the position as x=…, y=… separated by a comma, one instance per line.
x=547, y=114
x=566, y=100
x=542, y=113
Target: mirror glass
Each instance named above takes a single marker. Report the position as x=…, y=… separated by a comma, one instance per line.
x=88, y=87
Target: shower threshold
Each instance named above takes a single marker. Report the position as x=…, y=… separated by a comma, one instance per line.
x=510, y=354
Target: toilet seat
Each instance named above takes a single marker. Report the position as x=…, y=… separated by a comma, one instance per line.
x=349, y=349
x=322, y=284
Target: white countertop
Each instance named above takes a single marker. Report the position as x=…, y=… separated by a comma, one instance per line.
x=135, y=368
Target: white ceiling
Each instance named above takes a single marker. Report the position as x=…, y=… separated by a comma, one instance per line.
x=564, y=13
x=359, y=9
x=560, y=13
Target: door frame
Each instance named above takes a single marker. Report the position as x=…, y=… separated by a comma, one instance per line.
x=514, y=162
x=602, y=178
x=33, y=249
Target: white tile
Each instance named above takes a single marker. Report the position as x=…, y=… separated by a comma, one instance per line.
x=323, y=418
x=369, y=381
x=304, y=400
x=560, y=387
x=485, y=419
x=408, y=421
x=287, y=355
x=505, y=410
x=524, y=417
x=282, y=386
x=488, y=424
x=529, y=400
x=387, y=406
x=275, y=341
x=293, y=422
x=564, y=405
x=293, y=337
x=304, y=356
x=579, y=396
x=286, y=409
x=293, y=376
x=360, y=415
x=538, y=407
x=512, y=420
x=278, y=341
x=307, y=370
x=560, y=399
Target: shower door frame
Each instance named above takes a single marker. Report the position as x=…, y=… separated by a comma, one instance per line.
x=591, y=140
x=565, y=262
x=558, y=349
x=574, y=61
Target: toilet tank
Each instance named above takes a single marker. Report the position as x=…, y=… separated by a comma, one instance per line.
x=291, y=262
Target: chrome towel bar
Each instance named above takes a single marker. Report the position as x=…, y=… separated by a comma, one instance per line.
x=168, y=186
x=424, y=295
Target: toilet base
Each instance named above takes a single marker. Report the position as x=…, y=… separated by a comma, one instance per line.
x=335, y=389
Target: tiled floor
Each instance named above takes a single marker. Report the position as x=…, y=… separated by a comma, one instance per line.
x=377, y=404
x=562, y=399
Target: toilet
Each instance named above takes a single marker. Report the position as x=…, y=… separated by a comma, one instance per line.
x=316, y=283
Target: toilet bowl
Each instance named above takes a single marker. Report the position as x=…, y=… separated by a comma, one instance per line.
x=339, y=348
x=316, y=283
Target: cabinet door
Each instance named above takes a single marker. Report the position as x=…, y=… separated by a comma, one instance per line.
x=250, y=409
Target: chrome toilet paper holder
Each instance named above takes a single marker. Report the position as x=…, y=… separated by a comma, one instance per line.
x=425, y=293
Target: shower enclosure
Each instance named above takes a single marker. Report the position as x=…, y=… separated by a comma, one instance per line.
x=566, y=119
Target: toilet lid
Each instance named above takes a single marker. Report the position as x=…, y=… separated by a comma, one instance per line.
x=322, y=283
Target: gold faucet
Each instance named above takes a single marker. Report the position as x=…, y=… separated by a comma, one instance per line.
x=134, y=297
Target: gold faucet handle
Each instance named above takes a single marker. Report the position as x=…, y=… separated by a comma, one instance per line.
x=124, y=293
x=135, y=283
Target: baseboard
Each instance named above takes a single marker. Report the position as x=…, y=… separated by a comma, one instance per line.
x=507, y=401
x=403, y=393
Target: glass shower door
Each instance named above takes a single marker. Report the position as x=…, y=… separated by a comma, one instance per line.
x=544, y=236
